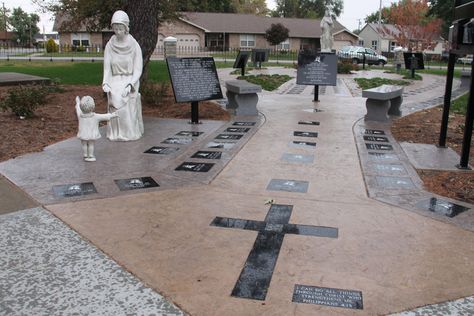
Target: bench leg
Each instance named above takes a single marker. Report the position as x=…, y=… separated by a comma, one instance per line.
x=377, y=110
x=242, y=104
x=395, y=104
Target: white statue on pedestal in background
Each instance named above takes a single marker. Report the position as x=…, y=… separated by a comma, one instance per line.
x=327, y=25
x=123, y=63
x=89, y=125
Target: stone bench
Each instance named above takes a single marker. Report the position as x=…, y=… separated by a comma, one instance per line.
x=242, y=97
x=383, y=101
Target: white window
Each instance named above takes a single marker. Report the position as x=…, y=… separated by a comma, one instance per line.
x=374, y=45
x=285, y=45
x=361, y=43
x=392, y=45
x=80, y=39
x=247, y=40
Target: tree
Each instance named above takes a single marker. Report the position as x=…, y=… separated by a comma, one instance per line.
x=145, y=15
x=24, y=25
x=443, y=10
x=4, y=17
x=374, y=17
x=276, y=34
x=307, y=8
x=258, y=7
x=415, y=29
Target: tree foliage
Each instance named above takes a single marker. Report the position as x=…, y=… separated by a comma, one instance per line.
x=416, y=30
x=24, y=25
x=276, y=34
x=374, y=17
x=443, y=10
x=307, y=8
x=4, y=17
x=223, y=6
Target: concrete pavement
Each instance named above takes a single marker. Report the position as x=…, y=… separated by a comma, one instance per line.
x=195, y=238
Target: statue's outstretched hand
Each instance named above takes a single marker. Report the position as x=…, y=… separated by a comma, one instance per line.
x=78, y=101
x=106, y=88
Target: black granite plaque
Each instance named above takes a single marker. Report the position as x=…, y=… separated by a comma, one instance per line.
x=207, y=155
x=327, y=296
x=189, y=134
x=442, y=207
x=308, y=123
x=237, y=130
x=157, y=150
x=260, y=55
x=305, y=134
x=194, y=79
x=229, y=136
x=136, y=183
x=241, y=59
x=195, y=167
x=244, y=123
x=414, y=60
x=378, y=146
x=221, y=145
x=254, y=280
x=77, y=189
x=304, y=143
x=376, y=139
x=179, y=141
x=374, y=132
x=316, y=69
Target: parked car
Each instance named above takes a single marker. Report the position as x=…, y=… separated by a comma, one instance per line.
x=355, y=54
x=467, y=60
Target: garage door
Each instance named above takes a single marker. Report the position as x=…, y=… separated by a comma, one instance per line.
x=187, y=40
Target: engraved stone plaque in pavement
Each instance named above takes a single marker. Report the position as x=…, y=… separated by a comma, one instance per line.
x=376, y=139
x=157, y=150
x=442, y=207
x=136, y=183
x=179, y=141
x=308, y=123
x=221, y=145
x=327, y=296
x=288, y=185
x=229, y=136
x=300, y=144
x=207, y=155
x=297, y=89
x=305, y=134
x=374, y=132
x=244, y=123
x=390, y=169
x=297, y=158
x=189, y=133
x=371, y=146
x=254, y=280
x=237, y=130
x=195, y=167
x=395, y=182
x=78, y=189
x=382, y=156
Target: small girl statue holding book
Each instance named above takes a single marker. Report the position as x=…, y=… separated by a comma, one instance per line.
x=89, y=125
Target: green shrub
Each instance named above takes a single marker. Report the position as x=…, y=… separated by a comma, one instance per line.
x=51, y=46
x=24, y=100
x=346, y=67
x=368, y=83
x=154, y=93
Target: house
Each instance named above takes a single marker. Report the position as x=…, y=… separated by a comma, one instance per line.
x=7, y=38
x=41, y=38
x=381, y=38
x=221, y=31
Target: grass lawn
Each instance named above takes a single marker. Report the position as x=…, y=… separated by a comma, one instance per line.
x=459, y=106
x=268, y=82
x=365, y=83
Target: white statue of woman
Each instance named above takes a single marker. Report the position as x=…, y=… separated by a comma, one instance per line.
x=122, y=70
x=326, y=27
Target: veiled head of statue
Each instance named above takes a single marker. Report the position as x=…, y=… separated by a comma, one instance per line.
x=120, y=17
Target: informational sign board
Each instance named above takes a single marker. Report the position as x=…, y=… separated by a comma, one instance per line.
x=194, y=79
x=317, y=69
x=242, y=59
x=260, y=55
x=417, y=58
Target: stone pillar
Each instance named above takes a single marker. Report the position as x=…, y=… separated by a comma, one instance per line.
x=170, y=44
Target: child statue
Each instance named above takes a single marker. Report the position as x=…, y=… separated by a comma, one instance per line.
x=89, y=125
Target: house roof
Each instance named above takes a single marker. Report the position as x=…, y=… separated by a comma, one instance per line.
x=6, y=35
x=254, y=24
x=386, y=31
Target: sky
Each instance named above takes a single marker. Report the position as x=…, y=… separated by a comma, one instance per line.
x=354, y=11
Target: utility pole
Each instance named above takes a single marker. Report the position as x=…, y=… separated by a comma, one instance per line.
x=360, y=23
x=4, y=17
x=380, y=13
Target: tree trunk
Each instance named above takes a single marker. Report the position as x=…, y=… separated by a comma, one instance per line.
x=144, y=17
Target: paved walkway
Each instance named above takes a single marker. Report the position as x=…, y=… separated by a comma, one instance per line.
x=294, y=216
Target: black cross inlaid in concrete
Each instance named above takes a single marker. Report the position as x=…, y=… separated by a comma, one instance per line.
x=257, y=273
